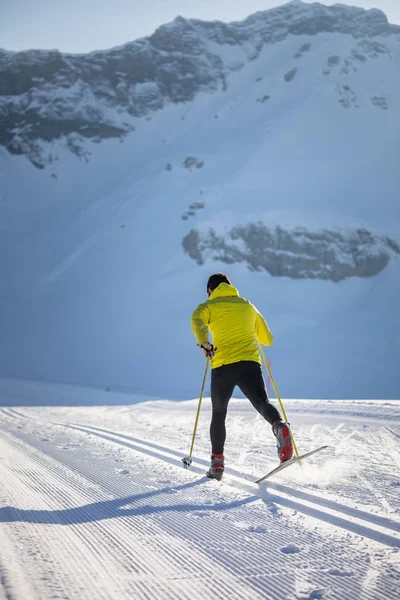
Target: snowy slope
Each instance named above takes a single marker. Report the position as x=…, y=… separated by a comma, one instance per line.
x=97, y=288
x=95, y=502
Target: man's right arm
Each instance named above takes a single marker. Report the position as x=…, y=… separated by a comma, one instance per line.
x=199, y=322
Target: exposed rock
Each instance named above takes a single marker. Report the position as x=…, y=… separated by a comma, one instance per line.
x=372, y=48
x=191, y=245
x=358, y=56
x=347, y=97
x=333, y=60
x=305, y=48
x=290, y=75
x=296, y=253
x=263, y=99
x=379, y=102
x=194, y=206
x=192, y=161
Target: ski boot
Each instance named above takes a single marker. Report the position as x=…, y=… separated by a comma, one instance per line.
x=283, y=440
x=216, y=469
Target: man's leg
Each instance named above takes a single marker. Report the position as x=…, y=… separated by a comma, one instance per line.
x=251, y=382
x=222, y=386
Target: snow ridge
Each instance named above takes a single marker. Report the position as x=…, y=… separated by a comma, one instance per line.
x=48, y=95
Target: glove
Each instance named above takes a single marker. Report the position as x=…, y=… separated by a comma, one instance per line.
x=208, y=350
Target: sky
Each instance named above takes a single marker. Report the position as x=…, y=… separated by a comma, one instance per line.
x=85, y=25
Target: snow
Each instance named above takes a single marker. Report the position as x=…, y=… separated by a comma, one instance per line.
x=95, y=501
x=96, y=287
x=96, y=291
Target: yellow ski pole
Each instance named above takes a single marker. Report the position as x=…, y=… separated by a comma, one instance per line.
x=278, y=396
x=187, y=461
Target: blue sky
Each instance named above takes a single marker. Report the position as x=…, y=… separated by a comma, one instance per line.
x=84, y=25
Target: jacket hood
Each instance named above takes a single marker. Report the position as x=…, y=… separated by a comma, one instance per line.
x=224, y=289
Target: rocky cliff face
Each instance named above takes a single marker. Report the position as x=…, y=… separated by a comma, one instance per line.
x=47, y=95
x=298, y=253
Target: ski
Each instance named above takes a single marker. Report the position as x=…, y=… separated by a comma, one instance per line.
x=290, y=462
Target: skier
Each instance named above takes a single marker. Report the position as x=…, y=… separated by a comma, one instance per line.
x=236, y=326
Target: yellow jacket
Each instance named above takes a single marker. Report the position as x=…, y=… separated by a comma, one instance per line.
x=235, y=325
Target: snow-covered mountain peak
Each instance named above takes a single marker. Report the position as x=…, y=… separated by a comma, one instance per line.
x=48, y=95
x=296, y=17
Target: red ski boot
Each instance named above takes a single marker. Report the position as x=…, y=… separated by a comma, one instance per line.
x=216, y=469
x=283, y=440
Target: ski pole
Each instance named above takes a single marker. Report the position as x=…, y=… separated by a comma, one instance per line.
x=187, y=461
x=278, y=396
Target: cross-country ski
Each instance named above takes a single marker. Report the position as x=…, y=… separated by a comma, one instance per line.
x=288, y=463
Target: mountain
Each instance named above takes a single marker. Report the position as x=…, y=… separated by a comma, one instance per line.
x=47, y=95
x=267, y=149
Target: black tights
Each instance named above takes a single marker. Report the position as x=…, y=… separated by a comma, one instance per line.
x=247, y=375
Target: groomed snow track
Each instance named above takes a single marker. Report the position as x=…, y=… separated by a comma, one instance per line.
x=76, y=527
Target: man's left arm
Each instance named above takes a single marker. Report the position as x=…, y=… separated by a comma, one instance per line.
x=199, y=322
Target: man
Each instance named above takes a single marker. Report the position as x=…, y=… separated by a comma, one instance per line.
x=236, y=326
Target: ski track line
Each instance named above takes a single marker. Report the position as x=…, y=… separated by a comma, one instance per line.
x=118, y=538
x=354, y=512
x=307, y=508
x=168, y=455
x=38, y=486
x=255, y=575
x=363, y=417
x=359, y=527
x=229, y=557
x=216, y=555
x=382, y=521
x=147, y=559
x=55, y=558
x=13, y=581
x=238, y=479
x=234, y=564
x=9, y=412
